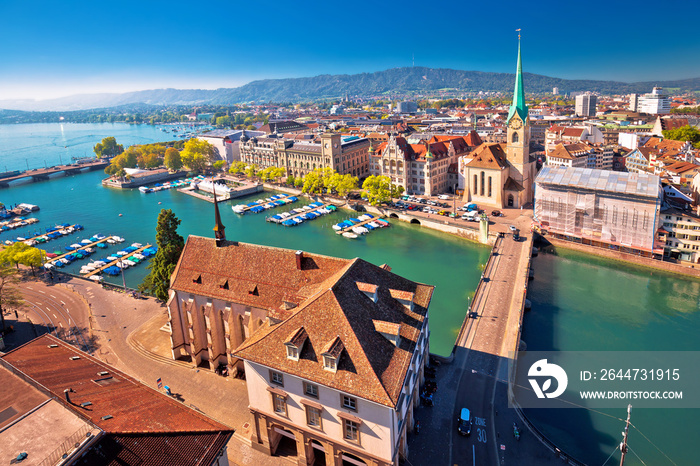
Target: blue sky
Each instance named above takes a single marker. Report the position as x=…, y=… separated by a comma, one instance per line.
x=58, y=48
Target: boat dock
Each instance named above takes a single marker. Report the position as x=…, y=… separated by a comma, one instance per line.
x=299, y=214
x=113, y=263
x=85, y=246
x=363, y=222
x=242, y=209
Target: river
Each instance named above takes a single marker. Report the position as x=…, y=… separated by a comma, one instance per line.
x=579, y=302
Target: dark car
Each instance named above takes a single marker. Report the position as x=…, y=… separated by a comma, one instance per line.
x=496, y=213
x=464, y=423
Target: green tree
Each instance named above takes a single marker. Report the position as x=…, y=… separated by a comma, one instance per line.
x=379, y=189
x=684, y=133
x=10, y=295
x=170, y=245
x=219, y=165
x=223, y=121
x=108, y=147
x=172, y=159
x=32, y=258
x=195, y=147
x=345, y=184
x=299, y=182
x=251, y=170
x=291, y=180
x=237, y=167
x=313, y=182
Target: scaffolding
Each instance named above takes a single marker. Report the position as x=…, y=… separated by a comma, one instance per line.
x=617, y=209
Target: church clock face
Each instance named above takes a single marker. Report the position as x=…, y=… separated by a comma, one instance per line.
x=516, y=123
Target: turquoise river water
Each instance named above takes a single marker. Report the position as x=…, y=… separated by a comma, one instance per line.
x=579, y=302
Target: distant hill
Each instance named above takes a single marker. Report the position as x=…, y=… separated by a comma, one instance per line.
x=396, y=80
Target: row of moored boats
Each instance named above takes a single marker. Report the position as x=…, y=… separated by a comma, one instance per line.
x=170, y=185
x=261, y=205
x=17, y=223
x=353, y=227
x=302, y=214
x=58, y=231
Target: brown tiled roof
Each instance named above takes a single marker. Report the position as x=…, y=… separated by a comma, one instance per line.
x=366, y=287
x=399, y=294
x=134, y=407
x=682, y=167
x=572, y=132
x=512, y=185
x=673, y=123
x=569, y=151
x=172, y=449
x=248, y=266
x=489, y=155
x=334, y=347
x=387, y=327
x=298, y=337
x=370, y=366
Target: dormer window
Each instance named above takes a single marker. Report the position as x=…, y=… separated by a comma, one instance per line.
x=368, y=289
x=330, y=363
x=295, y=343
x=331, y=354
x=404, y=297
x=197, y=279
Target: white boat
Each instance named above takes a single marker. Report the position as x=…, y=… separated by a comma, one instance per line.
x=297, y=220
x=139, y=256
x=65, y=261
x=90, y=250
x=360, y=230
x=112, y=258
x=337, y=227
x=75, y=245
x=48, y=266
x=96, y=278
x=111, y=241
x=347, y=234
x=122, y=265
x=374, y=225
x=136, y=245
x=86, y=241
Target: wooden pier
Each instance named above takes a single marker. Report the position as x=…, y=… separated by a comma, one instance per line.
x=307, y=211
x=82, y=246
x=124, y=257
x=364, y=222
x=49, y=232
x=248, y=207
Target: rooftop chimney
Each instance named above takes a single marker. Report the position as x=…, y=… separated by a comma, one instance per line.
x=299, y=256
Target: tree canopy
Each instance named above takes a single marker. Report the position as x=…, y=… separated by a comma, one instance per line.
x=108, y=147
x=170, y=245
x=684, y=133
x=197, y=154
x=379, y=189
x=172, y=159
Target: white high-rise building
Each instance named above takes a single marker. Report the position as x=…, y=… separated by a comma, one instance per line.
x=586, y=105
x=656, y=103
x=555, y=91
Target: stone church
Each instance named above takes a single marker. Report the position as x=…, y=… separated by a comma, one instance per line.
x=502, y=175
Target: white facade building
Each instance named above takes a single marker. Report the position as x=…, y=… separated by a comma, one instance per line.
x=654, y=103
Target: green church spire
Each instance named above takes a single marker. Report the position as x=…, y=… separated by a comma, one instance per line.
x=518, y=104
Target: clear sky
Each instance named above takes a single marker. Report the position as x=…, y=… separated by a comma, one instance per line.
x=58, y=48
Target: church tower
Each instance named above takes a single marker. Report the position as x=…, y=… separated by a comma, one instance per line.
x=522, y=168
x=218, y=226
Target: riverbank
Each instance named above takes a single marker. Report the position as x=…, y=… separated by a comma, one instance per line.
x=626, y=258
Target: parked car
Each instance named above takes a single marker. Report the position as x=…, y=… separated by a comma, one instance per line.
x=464, y=423
x=426, y=209
x=471, y=207
x=442, y=212
x=432, y=203
x=495, y=213
x=444, y=197
x=422, y=201
x=512, y=228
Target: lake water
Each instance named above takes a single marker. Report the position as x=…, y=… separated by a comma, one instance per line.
x=579, y=302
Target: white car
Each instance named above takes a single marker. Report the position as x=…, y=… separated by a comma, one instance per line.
x=443, y=197
x=512, y=228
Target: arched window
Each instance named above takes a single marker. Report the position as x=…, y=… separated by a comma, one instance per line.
x=482, y=183
x=489, y=186
x=515, y=137
x=475, y=185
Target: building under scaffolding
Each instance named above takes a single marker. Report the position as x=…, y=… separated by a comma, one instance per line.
x=600, y=207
